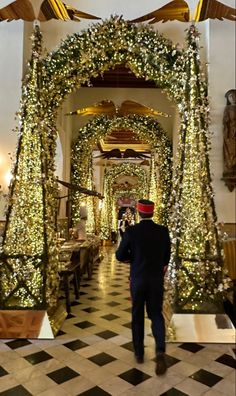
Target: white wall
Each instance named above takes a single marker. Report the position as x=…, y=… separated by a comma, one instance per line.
x=221, y=79
x=11, y=47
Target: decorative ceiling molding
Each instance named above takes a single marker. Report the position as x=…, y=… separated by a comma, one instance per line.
x=120, y=139
x=117, y=153
x=123, y=139
x=179, y=10
x=174, y=10
x=213, y=9
x=107, y=107
x=50, y=9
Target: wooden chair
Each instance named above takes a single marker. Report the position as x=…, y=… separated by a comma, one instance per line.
x=70, y=271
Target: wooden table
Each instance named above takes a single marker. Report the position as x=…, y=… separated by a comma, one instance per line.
x=75, y=259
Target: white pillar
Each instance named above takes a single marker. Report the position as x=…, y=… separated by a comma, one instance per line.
x=221, y=79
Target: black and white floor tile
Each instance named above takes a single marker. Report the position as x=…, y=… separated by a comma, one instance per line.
x=92, y=354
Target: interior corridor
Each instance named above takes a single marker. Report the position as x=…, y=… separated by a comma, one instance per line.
x=92, y=354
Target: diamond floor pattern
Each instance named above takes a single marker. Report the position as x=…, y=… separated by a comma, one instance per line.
x=93, y=355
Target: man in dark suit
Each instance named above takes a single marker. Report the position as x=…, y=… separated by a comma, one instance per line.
x=146, y=246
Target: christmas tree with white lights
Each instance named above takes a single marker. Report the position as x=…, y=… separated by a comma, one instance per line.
x=196, y=270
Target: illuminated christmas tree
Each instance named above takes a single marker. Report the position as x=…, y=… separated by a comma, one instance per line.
x=29, y=277
x=196, y=271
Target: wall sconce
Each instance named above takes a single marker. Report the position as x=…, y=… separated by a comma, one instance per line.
x=8, y=177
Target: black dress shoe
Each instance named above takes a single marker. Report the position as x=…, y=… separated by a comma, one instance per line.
x=161, y=366
x=139, y=359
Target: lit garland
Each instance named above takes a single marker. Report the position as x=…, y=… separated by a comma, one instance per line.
x=110, y=175
x=104, y=45
x=196, y=271
x=147, y=129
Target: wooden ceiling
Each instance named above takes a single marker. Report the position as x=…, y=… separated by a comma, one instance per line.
x=123, y=139
x=120, y=77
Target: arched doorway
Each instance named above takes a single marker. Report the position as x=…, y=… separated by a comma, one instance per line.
x=110, y=176
x=147, y=129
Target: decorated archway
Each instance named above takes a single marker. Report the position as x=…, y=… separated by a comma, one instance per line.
x=109, y=177
x=147, y=129
x=29, y=259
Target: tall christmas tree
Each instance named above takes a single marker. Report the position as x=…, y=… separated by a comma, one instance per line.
x=196, y=271
x=28, y=270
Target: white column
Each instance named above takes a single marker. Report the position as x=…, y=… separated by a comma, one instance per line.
x=221, y=79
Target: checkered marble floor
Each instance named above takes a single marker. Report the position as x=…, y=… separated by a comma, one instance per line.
x=92, y=354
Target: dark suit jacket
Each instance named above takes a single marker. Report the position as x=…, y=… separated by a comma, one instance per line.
x=147, y=246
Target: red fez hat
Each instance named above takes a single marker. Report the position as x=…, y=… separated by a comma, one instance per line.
x=145, y=206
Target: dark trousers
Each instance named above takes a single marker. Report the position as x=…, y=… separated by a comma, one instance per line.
x=149, y=293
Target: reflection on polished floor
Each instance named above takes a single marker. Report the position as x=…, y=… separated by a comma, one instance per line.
x=92, y=354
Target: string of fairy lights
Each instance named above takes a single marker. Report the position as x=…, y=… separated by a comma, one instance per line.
x=83, y=55
x=196, y=273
